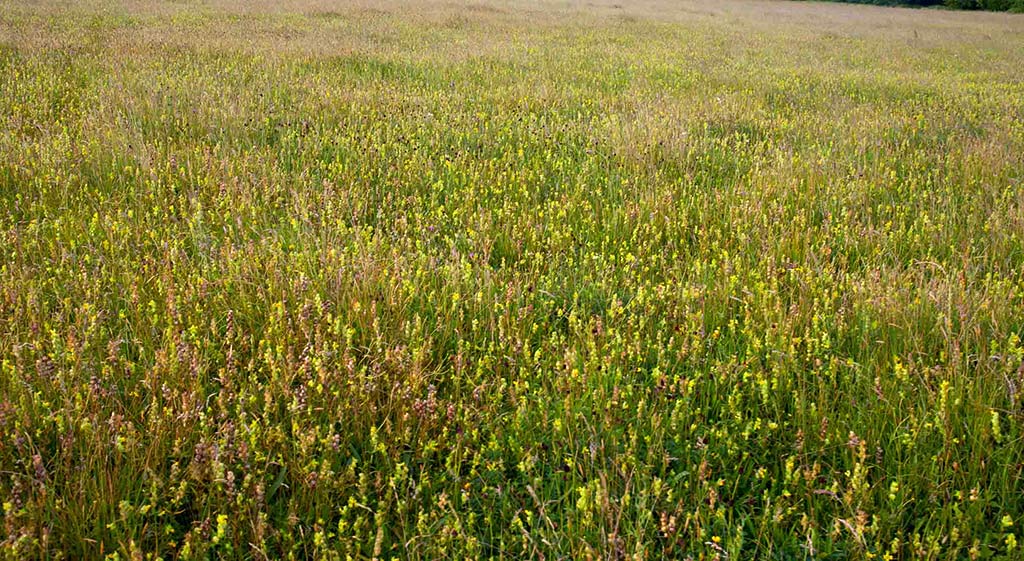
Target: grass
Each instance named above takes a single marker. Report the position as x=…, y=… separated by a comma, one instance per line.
x=510, y=279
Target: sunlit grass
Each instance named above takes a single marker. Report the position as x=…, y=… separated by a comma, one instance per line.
x=510, y=280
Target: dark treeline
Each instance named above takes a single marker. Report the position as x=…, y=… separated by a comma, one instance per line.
x=994, y=5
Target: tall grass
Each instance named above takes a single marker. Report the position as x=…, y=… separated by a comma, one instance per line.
x=510, y=280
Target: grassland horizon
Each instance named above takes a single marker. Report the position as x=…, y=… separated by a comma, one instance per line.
x=510, y=279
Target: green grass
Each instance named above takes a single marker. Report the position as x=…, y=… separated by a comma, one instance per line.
x=510, y=280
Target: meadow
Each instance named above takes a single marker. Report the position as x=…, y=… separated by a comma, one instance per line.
x=510, y=279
